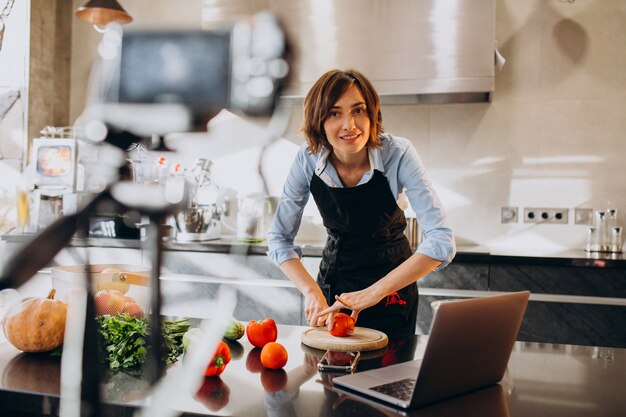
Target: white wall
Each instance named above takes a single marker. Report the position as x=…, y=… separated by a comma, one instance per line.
x=553, y=136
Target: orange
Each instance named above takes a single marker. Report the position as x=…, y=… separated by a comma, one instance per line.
x=274, y=355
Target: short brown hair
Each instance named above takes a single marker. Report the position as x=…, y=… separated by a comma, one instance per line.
x=323, y=96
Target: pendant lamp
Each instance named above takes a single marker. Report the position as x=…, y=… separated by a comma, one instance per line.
x=102, y=12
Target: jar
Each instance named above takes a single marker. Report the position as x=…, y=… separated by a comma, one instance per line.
x=250, y=219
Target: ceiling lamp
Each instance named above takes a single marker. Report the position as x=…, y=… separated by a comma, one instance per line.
x=102, y=12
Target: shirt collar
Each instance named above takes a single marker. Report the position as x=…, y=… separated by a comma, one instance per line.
x=320, y=165
x=376, y=161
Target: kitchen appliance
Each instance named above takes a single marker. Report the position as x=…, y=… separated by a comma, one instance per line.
x=427, y=51
x=52, y=174
x=202, y=220
x=199, y=223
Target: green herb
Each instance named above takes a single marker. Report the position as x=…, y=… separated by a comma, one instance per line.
x=124, y=340
x=173, y=332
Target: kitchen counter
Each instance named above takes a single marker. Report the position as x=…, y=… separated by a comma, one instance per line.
x=465, y=254
x=542, y=380
x=577, y=298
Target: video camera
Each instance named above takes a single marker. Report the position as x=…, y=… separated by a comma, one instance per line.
x=159, y=82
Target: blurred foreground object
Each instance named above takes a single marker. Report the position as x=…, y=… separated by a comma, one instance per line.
x=160, y=82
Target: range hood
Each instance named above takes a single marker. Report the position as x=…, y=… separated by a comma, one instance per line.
x=414, y=51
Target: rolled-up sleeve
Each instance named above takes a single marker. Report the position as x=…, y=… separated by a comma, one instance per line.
x=286, y=221
x=438, y=238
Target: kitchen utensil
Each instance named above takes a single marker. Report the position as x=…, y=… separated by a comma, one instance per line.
x=361, y=339
x=131, y=280
x=200, y=177
x=198, y=224
x=365, y=355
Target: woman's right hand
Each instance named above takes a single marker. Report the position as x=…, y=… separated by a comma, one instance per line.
x=314, y=302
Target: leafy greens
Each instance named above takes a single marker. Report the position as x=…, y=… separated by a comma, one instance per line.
x=124, y=339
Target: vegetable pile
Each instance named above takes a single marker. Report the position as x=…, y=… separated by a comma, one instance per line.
x=124, y=340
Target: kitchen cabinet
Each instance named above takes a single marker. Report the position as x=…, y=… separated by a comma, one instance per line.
x=190, y=280
x=572, y=305
x=569, y=304
x=454, y=281
x=255, y=301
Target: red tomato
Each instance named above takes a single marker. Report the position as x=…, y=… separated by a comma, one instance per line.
x=343, y=325
x=274, y=355
x=262, y=332
x=219, y=360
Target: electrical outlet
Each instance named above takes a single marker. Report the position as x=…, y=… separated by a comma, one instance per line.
x=583, y=216
x=546, y=215
x=508, y=215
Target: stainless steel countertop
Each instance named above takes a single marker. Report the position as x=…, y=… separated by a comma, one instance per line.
x=471, y=254
x=542, y=380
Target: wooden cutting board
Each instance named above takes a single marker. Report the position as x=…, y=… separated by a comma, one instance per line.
x=362, y=339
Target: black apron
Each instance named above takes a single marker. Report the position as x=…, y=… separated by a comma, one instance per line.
x=365, y=241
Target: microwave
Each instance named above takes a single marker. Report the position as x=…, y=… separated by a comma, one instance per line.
x=54, y=162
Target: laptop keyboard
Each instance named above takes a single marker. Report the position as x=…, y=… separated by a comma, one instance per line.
x=402, y=389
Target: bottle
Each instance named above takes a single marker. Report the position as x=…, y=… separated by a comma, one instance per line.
x=601, y=230
x=592, y=244
x=616, y=239
x=612, y=235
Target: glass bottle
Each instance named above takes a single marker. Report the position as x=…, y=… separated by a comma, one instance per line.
x=611, y=224
x=616, y=239
x=601, y=230
x=592, y=244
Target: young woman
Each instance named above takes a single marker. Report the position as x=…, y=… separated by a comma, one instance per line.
x=355, y=172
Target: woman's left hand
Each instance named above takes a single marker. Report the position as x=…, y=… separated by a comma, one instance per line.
x=355, y=301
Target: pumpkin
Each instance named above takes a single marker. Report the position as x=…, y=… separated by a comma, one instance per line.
x=36, y=324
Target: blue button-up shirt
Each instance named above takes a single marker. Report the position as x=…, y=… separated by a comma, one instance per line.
x=399, y=163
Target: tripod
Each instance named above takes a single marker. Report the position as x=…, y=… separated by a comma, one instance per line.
x=38, y=253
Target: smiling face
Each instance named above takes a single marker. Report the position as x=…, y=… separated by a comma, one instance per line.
x=347, y=126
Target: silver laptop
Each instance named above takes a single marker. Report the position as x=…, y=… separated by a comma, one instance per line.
x=468, y=348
